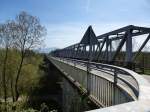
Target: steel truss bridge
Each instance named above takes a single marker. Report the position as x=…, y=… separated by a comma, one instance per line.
x=91, y=66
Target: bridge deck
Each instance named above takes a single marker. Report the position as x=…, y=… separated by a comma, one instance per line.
x=110, y=76
x=102, y=79
x=136, y=106
x=147, y=77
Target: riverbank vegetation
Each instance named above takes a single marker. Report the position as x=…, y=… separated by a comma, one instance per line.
x=19, y=63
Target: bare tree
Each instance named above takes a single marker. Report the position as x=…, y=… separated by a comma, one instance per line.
x=30, y=36
x=7, y=39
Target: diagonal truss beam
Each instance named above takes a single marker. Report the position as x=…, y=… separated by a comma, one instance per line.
x=119, y=47
x=140, y=49
x=90, y=40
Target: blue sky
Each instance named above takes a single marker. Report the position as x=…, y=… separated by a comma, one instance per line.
x=67, y=20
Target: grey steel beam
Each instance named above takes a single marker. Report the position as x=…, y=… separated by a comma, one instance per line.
x=110, y=49
x=144, y=29
x=115, y=31
x=119, y=47
x=124, y=29
x=106, y=51
x=133, y=35
x=140, y=49
x=100, y=50
x=98, y=47
x=128, y=47
x=90, y=39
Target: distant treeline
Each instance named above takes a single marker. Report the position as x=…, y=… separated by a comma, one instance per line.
x=141, y=62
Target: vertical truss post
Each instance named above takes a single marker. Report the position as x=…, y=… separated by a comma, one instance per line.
x=110, y=50
x=84, y=50
x=129, y=49
x=93, y=51
x=88, y=65
x=96, y=51
x=74, y=50
x=78, y=47
x=107, y=45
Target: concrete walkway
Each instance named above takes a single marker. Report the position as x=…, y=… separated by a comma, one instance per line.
x=147, y=77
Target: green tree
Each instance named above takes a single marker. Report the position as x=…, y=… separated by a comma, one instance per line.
x=7, y=34
x=30, y=36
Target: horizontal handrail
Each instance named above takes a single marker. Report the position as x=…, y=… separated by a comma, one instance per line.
x=124, y=77
x=109, y=68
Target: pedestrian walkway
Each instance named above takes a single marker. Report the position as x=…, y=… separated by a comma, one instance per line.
x=147, y=77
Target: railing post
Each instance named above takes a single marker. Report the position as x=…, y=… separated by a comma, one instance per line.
x=88, y=77
x=115, y=84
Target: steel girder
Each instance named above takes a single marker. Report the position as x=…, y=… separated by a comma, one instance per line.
x=99, y=48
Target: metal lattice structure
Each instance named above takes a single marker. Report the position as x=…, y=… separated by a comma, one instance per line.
x=104, y=84
x=100, y=49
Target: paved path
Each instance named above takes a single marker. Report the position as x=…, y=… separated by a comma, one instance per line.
x=147, y=77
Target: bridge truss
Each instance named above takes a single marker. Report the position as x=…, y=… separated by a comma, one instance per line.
x=106, y=84
x=100, y=48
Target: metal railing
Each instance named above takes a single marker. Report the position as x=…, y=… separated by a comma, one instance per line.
x=107, y=84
